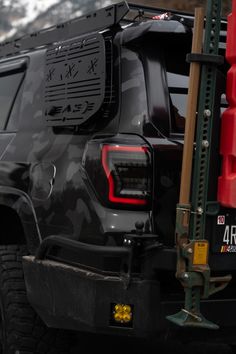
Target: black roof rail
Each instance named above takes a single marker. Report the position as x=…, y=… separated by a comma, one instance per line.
x=94, y=21
x=157, y=10
x=145, y=9
x=161, y=10
x=186, y=18
x=143, y=12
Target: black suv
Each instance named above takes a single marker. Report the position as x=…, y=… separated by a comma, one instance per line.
x=91, y=140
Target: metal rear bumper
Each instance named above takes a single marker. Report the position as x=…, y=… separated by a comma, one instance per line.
x=75, y=297
x=68, y=297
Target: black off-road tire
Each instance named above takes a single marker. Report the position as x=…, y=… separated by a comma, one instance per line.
x=22, y=331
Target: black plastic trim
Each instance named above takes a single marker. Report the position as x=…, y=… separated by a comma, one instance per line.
x=205, y=58
x=86, y=256
x=13, y=65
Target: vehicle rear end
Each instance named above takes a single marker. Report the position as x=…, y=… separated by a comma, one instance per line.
x=125, y=283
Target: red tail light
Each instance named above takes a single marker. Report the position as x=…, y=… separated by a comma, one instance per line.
x=127, y=169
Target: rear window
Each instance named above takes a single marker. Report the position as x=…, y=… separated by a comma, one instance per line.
x=178, y=89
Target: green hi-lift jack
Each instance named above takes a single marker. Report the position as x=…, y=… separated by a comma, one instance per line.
x=193, y=270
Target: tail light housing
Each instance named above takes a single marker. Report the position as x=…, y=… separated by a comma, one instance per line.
x=121, y=174
x=126, y=169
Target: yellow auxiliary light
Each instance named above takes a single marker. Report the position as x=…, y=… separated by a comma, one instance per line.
x=122, y=313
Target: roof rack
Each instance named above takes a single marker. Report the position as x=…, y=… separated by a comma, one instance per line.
x=157, y=10
x=185, y=18
x=94, y=21
x=160, y=10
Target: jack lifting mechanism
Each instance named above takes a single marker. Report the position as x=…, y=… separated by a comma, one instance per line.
x=193, y=270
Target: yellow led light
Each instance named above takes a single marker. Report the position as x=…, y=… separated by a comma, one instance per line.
x=118, y=317
x=122, y=313
x=127, y=317
x=127, y=308
x=118, y=308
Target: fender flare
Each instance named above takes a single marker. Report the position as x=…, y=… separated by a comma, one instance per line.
x=22, y=204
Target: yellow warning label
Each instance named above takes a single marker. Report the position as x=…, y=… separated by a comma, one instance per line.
x=200, y=253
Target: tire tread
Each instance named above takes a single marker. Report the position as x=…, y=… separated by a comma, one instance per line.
x=25, y=330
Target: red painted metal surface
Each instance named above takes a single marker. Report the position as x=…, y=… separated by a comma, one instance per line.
x=227, y=180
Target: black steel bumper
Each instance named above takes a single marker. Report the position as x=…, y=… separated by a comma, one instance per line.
x=70, y=298
x=78, y=298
